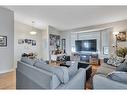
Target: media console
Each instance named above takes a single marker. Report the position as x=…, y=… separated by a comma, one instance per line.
x=91, y=58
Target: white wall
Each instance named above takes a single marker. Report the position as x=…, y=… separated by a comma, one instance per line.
x=45, y=45
x=22, y=32
x=67, y=36
x=7, y=29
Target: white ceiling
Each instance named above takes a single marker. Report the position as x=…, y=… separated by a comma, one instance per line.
x=68, y=17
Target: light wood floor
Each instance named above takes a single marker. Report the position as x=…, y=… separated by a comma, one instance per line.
x=89, y=83
x=8, y=80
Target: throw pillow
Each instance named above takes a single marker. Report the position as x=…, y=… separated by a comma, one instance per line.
x=126, y=57
x=118, y=76
x=115, y=61
x=122, y=67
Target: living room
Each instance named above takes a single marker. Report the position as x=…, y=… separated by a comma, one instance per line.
x=59, y=47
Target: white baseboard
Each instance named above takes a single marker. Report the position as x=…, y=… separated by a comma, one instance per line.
x=6, y=71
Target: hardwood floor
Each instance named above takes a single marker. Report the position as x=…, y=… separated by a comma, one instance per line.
x=89, y=81
x=8, y=80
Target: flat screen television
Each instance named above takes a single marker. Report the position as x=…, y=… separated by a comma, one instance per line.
x=86, y=45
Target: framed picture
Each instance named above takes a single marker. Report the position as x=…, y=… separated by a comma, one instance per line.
x=121, y=36
x=20, y=41
x=63, y=44
x=54, y=40
x=3, y=41
x=105, y=50
x=33, y=43
x=29, y=41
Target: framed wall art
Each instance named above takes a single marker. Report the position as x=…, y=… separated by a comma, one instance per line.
x=105, y=50
x=3, y=41
x=20, y=41
x=121, y=36
x=33, y=43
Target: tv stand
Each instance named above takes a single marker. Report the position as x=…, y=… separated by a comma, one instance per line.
x=91, y=58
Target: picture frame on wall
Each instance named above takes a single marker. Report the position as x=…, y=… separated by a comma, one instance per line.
x=122, y=36
x=63, y=44
x=54, y=40
x=33, y=42
x=20, y=41
x=105, y=50
x=3, y=41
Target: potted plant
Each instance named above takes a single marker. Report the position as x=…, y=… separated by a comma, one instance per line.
x=121, y=52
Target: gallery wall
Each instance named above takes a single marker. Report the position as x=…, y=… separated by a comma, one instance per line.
x=22, y=31
x=7, y=29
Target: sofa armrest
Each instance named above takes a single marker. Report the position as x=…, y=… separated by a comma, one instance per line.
x=77, y=82
x=30, y=77
x=106, y=60
x=101, y=82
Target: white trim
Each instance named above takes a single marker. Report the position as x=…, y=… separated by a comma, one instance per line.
x=92, y=30
x=6, y=71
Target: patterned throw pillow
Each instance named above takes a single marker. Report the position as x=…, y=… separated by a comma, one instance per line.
x=125, y=58
x=115, y=61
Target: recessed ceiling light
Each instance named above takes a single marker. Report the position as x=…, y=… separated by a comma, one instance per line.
x=33, y=32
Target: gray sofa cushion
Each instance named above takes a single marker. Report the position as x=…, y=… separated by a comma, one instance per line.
x=40, y=61
x=108, y=66
x=122, y=67
x=118, y=76
x=61, y=72
x=72, y=70
x=104, y=70
x=28, y=60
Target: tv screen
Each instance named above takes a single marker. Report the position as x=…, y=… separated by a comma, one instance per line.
x=86, y=45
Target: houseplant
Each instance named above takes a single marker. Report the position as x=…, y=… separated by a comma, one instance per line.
x=121, y=51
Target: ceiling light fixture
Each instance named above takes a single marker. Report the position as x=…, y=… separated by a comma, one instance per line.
x=33, y=32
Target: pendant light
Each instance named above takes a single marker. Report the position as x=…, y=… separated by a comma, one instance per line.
x=33, y=32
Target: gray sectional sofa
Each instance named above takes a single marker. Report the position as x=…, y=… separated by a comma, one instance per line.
x=111, y=77
x=43, y=76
